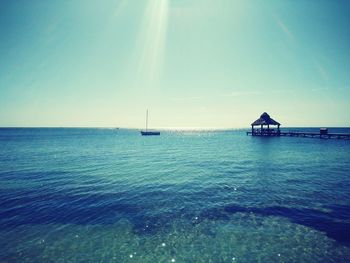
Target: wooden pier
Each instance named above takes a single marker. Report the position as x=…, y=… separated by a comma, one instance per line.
x=264, y=129
x=343, y=136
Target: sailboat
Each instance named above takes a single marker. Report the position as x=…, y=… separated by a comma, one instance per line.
x=147, y=132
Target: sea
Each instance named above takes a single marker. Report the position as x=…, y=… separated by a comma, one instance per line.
x=112, y=195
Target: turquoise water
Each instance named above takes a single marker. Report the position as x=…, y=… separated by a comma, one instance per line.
x=107, y=195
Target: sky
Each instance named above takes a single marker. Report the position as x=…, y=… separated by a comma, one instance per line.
x=192, y=63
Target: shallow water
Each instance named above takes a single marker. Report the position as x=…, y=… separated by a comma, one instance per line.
x=107, y=195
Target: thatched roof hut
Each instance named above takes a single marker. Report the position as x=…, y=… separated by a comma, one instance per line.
x=265, y=119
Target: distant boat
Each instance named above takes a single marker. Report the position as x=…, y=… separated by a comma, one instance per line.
x=147, y=132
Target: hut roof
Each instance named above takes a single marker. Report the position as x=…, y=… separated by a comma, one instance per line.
x=265, y=120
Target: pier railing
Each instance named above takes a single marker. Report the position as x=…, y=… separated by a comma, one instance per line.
x=264, y=132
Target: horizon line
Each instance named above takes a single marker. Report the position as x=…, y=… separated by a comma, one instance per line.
x=158, y=128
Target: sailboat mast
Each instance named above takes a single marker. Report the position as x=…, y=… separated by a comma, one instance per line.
x=146, y=132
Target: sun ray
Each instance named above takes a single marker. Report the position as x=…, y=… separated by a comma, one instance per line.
x=152, y=40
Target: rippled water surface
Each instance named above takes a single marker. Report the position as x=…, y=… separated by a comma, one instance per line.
x=108, y=195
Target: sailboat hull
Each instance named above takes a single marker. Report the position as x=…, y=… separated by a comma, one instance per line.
x=149, y=133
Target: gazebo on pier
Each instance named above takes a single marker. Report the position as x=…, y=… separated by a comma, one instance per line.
x=264, y=123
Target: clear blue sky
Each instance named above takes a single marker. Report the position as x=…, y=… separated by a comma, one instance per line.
x=193, y=63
